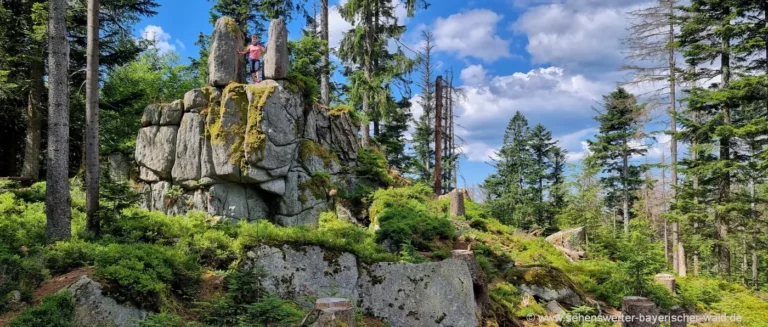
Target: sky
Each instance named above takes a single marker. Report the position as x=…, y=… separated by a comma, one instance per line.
x=552, y=60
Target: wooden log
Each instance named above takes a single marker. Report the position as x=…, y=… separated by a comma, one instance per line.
x=639, y=312
x=668, y=280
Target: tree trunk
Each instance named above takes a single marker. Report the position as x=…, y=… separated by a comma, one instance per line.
x=676, y=260
x=683, y=271
x=438, y=134
x=721, y=220
x=57, y=198
x=368, y=70
x=625, y=195
x=92, y=223
x=754, y=267
x=31, y=169
x=325, y=74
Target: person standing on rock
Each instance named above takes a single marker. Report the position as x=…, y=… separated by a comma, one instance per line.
x=255, y=49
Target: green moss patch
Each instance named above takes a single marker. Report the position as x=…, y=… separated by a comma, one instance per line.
x=308, y=149
x=318, y=186
x=246, y=134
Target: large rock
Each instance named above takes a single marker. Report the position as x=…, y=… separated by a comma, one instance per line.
x=156, y=149
x=429, y=294
x=547, y=284
x=195, y=100
x=276, y=62
x=170, y=114
x=224, y=64
x=94, y=309
x=305, y=273
x=571, y=239
x=344, y=136
x=274, y=130
x=189, y=149
x=318, y=126
x=304, y=199
x=236, y=202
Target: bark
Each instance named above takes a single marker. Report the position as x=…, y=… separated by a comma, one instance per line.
x=92, y=121
x=438, y=134
x=676, y=260
x=58, y=201
x=625, y=195
x=325, y=86
x=681, y=255
x=754, y=268
x=721, y=219
x=368, y=69
x=31, y=169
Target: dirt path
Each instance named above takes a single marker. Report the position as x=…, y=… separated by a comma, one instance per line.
x=49, y=287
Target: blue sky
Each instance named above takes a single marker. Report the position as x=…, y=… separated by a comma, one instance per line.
x=550, y=59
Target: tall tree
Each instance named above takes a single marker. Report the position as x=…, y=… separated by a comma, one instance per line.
x=652, y=53
x=424, y=132
x=708, y=32
x=615, y=145
x=58, y=201
x=325, y=77
x=92, y=121
x=364, y=48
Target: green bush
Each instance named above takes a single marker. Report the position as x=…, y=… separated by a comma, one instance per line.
x=698, y=293
x=404, y=215
x=215, y=248
x=56, y=310
x=372, y=164
x=141, y=225
x=62, y=257
x=146, y=274
x=22, y=224
x=20, y=274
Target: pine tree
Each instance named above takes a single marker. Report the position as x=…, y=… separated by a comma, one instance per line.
x=424, y=131
x=616, y=144
x=541, y=146
x=92, y=173
x=371, y=67
x=708, y=33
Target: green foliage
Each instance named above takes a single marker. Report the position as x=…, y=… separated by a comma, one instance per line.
x=406, y=215
x=372, y=164
x=128, y=89
x=333, y=235
x=147, y=274
x=305, y=68
x=526, y=189
x=62, y=257
x=21, y=274
x=22, y=224
x=56, y=310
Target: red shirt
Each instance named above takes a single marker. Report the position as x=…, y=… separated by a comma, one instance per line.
x=255, y=51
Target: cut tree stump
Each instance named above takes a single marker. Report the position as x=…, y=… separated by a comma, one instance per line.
x=457, y=203
x=333, y=312
x=639, y=312
x=677, y=317
x=668, y=280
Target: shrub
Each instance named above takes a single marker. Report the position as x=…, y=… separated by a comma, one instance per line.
x=700, y=293
x=22, y=224
x=65, y=256
x=20, y=274
x=504, y=301
x=214, y=248
x=56, y=310
x=372, y=164
x=404, y=215
x=146, y=274
x=141, y=225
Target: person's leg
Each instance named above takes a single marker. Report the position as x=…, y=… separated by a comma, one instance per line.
x=258, y=71
x=253, y=69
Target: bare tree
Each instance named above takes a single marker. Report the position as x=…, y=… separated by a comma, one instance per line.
x=325, y=87
x=651, y=53
x=58, y=202
x=92, y=120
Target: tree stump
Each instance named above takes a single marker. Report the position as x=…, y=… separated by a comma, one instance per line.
x=667, y=280
x=639, y=312
x=677, y=317
x=334, y=312
x=457, y=204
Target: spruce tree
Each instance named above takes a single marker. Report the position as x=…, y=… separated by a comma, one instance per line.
x=615, y=145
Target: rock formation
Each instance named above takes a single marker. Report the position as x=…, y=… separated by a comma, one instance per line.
x=92, y=308
x=276, y=59
x=244, y=151
x=402, y=294
x=224, y=64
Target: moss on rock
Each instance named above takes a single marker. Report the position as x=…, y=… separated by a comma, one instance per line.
x=309, y=149
x=318, y=185
x=255, y=139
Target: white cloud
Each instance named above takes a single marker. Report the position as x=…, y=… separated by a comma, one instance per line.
x=337, y=26
x=161, y=39
x=471, y=34
x=560, y=101
x=473, y=75
x=479, y=152
x=582, y=38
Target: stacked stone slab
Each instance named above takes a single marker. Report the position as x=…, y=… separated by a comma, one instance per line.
x=243, y=151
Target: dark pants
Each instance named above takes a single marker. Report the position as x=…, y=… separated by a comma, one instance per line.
x=255, y=65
